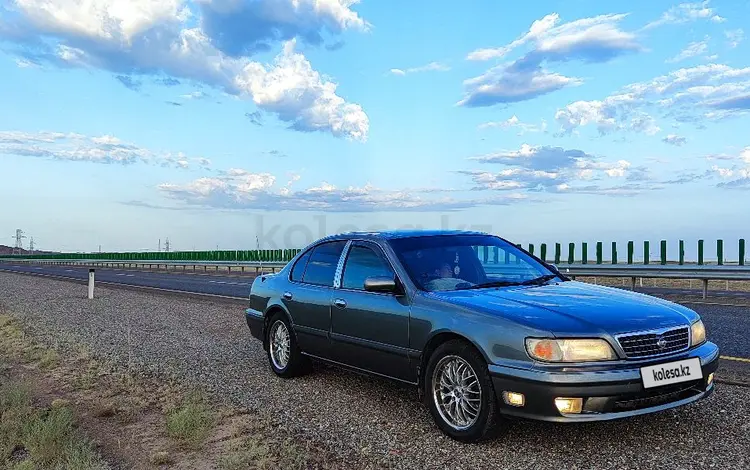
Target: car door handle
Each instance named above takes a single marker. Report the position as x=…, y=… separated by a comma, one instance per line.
x=287, y=295
x=340, y=303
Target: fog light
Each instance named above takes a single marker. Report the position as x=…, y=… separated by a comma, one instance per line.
x=514, y=399
x=569, y=405
x=710, y=379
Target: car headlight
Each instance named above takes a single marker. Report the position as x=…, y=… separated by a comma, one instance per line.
x=697, y=333
x=570, y=350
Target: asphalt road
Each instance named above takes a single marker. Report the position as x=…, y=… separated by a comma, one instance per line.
x=215, y=284
x=727, y=325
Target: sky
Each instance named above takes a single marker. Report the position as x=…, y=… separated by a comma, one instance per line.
x=233, y=124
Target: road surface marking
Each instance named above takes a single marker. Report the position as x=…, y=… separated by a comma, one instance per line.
x=738, y=359
x=175, y=291
x=68, y=270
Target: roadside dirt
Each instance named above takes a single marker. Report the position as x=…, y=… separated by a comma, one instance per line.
x=139, y=423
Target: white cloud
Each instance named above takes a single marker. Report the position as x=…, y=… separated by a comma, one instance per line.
x=111, y=21
x=431, y=67
x=674, y=139
x=554, y=169
x=735, y=37
x=195, y=95
x=644, y=123
x=596, y=39
x=737, y=174
x=686, y=13
x=298, y=94
x=711, y=91
x=106, y=140
x=240, y=27
x=604, y=114
x=692, y=50
x=243, y=190
x=25, y=64
x=105, y=149
x=512, y=83
x=592, y=39
x=167, y=37
x=514, y=123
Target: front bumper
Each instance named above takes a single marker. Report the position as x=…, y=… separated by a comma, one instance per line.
x=607, y=394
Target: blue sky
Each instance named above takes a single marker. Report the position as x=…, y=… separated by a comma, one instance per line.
x=213, y=121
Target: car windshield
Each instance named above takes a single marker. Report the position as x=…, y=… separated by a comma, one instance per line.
x=458, y=262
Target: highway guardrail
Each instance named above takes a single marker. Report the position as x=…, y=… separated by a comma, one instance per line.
x=704, y=273
x=242, y=266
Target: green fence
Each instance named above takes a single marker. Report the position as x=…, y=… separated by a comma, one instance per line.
x=575, y=254
x=218, y=255
x=580, y=255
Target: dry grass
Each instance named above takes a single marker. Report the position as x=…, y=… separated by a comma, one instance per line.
x=38, y=437
x=136, y=421
x=190, y=423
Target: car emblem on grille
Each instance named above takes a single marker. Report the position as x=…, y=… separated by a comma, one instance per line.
x=661, y=342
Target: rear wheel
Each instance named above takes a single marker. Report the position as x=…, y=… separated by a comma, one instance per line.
x=284, y=355
x=459, y=392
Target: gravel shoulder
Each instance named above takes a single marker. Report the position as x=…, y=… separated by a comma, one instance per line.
x=207, y=343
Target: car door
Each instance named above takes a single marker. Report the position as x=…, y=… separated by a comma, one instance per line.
x=309, y=296
x=369, y=330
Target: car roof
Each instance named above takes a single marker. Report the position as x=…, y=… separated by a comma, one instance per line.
x=402, y=233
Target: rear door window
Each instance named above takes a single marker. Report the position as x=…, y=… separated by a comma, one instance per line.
x=321, y=268
x=299, y=267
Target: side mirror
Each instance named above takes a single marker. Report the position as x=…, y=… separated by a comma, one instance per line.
x=381, y=284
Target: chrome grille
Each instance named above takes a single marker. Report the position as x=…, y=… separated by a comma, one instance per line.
x=655, y=343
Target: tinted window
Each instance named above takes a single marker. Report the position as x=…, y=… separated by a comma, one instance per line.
x=450, y=262
x=362, y=263
x=300, y=265
x=322, y=265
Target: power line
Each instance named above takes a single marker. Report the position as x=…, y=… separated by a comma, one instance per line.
x=19, y=242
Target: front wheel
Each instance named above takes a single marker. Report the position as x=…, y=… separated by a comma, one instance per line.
x=284, y=356
x=459, y=391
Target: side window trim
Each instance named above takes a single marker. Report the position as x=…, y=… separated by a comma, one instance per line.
x=340, y=265
x=345, y=257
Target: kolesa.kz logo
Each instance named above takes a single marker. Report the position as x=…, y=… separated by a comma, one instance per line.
x=665, y=374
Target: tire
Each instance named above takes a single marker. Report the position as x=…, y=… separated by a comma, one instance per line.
x=484, y=422
x=295, y=363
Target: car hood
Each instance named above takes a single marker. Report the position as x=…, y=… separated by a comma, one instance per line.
x=573, y=307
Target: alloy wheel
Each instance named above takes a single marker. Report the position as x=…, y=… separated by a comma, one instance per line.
x=280, y=345
x=456, y=392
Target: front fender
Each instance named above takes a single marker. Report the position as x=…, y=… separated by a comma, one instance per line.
x=499, y=340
